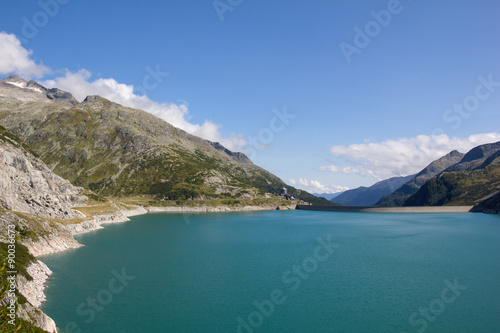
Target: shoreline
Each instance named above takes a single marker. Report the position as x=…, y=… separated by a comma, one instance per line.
x=371, y=209
x=39, y=283
x=98, y=221
x=208, y=209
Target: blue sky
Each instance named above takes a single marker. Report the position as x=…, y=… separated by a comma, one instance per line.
x=385, y=109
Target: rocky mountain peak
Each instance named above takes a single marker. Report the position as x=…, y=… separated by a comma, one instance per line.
x=438, y=166
x=18, y=88
x=93, y=98
x=454, y=153
x=13, y=78
x=477, y=157
x=96, y=101
x=481, y=152
x=236, y=156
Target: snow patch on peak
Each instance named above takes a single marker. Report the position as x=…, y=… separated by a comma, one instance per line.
x=17, y=84
x=35, y=89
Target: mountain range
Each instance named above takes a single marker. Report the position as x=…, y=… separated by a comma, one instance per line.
x=121, y=152
x=116, y=151
x=369, y=196
x=57, y=153
x=475, y=178
x=398, y=197
x=454, y=179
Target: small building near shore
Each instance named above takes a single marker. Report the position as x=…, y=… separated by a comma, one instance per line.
x=284, y=192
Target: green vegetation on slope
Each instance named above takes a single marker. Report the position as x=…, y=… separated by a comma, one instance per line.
x=398, y=197
x=458, y=188
x=121, y=152
x=6, y=135
x=22, y=260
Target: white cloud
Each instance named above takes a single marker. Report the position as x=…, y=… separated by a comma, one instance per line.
x=15, y=59
x=315, y=186
x=81, y=85
x=403, y=156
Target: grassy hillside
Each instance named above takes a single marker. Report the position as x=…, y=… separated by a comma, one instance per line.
x=121, y=152
x=398, y=197
x=458, y=188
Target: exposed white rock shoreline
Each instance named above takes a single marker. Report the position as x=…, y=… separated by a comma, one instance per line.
x=58, y=242
x=208, y=209
x=98, y=220
x=122, y=216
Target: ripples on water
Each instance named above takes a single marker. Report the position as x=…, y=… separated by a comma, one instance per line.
x=260, y=272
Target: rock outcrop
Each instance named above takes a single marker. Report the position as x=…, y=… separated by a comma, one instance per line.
x=41, y=236
x=32, y=314
x=28, y=185
x=33, y=290
x=98, y=220
x=490, y=205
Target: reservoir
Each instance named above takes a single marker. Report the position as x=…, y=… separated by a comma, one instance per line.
x=281, y=271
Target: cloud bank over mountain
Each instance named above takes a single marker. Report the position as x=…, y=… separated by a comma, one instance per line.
x=316, y=186
x=375, y=160
x=400, y=157
x=14, y=58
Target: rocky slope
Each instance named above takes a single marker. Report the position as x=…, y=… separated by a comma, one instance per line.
x=477, y=158
x=490, y=205
x=31, y=198
x=398, y=197
x=369, y=196
x=118, y=151
x=39, y=228
x=28, y=185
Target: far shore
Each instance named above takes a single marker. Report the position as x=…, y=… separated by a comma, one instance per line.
x=371, y=209
x=123, y=215
x=210, y=209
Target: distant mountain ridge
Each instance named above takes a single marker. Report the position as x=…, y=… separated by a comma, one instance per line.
x=369, y=196
x=328, y=196
x=477, y=158
x=473, y=179
x=398, y=197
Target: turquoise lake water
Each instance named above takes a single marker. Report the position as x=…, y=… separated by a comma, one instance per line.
x=281, y=271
